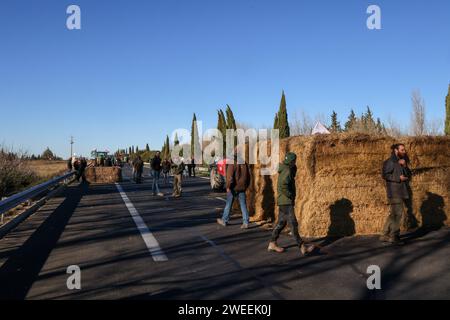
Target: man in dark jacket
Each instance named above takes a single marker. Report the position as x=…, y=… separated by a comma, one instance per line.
x=177, y=176
x=286, y=200
x=138, y=169
x=155, y=164
x=397, y=175
x=237, y=182
x=166, y=165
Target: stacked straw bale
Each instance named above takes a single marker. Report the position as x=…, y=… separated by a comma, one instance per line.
x=340, y=191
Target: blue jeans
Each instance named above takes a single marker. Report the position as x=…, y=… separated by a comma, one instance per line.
x=230, y=197
x=155, y=186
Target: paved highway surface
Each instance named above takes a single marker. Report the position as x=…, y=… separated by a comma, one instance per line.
x=132, y=245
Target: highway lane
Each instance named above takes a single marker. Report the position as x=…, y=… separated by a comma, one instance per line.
x=92, y=227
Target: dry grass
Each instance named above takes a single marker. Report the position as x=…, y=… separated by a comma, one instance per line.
x=339, y=186
x=47, y=169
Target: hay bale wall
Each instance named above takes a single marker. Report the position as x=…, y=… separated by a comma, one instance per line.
x=340, y=191
x=103, y=174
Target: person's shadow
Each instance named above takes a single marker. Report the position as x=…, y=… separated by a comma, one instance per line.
x=268, y=200
x=433, y=216
x=341, y=222
x=432, y=212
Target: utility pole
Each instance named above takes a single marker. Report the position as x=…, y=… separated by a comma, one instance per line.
x=71, y=146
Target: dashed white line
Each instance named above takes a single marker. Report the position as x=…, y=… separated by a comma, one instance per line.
x=150, y=241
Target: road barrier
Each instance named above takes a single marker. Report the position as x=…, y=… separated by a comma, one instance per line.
x=17, y=199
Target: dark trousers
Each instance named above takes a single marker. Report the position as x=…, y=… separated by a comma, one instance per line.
x=138, y=177
x=80, y=174
x=392, y=224
x=287, y=215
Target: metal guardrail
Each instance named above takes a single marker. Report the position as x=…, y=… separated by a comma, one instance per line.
x=15, y=200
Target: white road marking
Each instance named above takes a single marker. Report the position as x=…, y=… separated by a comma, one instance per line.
x=150, y=241
x=207, y=178
x=219, y=198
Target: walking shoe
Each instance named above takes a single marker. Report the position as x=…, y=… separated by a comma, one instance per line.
x=306, y=249
x=221, y=222
x=244, y=226
x=160, y=194
x=275, y=248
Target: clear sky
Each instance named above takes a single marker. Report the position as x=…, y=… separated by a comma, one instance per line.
x=139, y=69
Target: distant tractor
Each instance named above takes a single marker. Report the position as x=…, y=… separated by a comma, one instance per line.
x=100, y=157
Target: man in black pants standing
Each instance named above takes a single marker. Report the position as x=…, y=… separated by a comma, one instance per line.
x=397, y=175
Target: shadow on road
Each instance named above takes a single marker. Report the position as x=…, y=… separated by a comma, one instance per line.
x=22, y=268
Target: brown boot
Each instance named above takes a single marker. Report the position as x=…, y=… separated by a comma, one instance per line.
x=274, y=247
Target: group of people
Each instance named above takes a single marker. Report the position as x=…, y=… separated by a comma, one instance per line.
x=158, y=167
x=395, y=172
x=79, y=164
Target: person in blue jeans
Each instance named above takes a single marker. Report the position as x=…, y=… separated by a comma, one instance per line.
x=156, y=172
x=237, y=182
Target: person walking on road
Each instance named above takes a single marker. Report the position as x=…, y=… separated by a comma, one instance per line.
x=165, y=171
x=237, y=182
x=193, y=167
x=133, y=167
x=138, y=169
x=178, y=170
x=156, y=171
x=285, y=201
x=397, y=175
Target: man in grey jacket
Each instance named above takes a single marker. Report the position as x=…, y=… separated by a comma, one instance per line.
x=397, y=175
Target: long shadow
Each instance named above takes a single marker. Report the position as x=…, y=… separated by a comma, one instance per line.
x=268, y=200
x=433, y=216
x=342, y=224
x=22, y=268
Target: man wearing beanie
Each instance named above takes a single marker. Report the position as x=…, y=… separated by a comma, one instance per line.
x=286, y=201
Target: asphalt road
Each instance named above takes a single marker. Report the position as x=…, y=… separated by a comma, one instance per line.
x=138, y=246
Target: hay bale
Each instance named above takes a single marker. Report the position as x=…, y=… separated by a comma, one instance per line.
x=340, y=191
x=103, y=174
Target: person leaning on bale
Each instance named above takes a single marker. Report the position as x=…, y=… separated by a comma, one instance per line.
x=397, y=175
x=286, y=201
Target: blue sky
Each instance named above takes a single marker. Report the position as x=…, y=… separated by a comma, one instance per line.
x=139, y=69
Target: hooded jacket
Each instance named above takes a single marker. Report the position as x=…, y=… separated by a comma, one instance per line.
x=286, y=184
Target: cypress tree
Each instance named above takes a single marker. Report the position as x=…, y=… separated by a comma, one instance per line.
x=195, y=142
x=176, y=141
x=129, y=150
x=222, y=127
x=137, y=149
x=221, y=123
x=335, y=125
x=147, y=147
x=283, y=123
x=447, y=113
x=167, y=153
x=231, y=123
x=350, y=122
x=275, y=122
